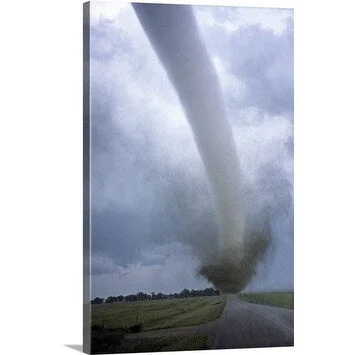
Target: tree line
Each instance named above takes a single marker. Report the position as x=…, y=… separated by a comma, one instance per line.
x=141, y=296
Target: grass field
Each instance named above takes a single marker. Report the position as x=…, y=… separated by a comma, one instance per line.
x=115, y=342
x=197, y=342
x=277, y=299
x=158, y=314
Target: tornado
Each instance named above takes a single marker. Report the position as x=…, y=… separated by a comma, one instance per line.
x=174, y=34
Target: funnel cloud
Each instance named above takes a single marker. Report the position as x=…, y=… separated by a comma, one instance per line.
x=174, y=34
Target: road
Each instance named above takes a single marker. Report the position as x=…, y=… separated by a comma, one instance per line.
x=245, y=325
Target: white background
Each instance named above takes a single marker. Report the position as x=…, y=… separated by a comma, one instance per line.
x=41, y=174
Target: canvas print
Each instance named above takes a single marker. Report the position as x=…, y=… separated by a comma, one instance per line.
x=188, y=177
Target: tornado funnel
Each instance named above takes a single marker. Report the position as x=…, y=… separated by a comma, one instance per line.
x=174, y=34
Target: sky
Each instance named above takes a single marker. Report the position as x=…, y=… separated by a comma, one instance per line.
x=152, y=216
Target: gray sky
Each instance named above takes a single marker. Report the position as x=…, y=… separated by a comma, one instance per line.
x=152, y=214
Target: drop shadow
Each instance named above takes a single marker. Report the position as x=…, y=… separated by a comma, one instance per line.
x=77, y=347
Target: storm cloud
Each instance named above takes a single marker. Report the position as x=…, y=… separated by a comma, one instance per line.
x=150, y=198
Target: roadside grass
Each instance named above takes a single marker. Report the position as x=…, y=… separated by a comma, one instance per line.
x=276, y=299
x=157, y=314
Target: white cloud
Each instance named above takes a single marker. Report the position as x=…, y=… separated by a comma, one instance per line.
x=232, y=18
x=231, y=84
x=104, y=265
x=107, y=10
x=261, y=140
x=178, y=272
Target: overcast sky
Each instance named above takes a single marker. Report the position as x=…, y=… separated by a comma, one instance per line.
x=152, y=214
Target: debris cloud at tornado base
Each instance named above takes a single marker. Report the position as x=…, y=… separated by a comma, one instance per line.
x=173, y=32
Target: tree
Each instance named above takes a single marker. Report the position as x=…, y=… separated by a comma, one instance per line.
x=142, y=296
x=97, y=300
x=185, y=293
x=193, y=293
x=111, y=299
x=120, y=298
x=131, y=298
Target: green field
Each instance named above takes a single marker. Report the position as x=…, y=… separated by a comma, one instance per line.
x=277, y=299
x=197, y=342
x=114, y=342
x=158, y=314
